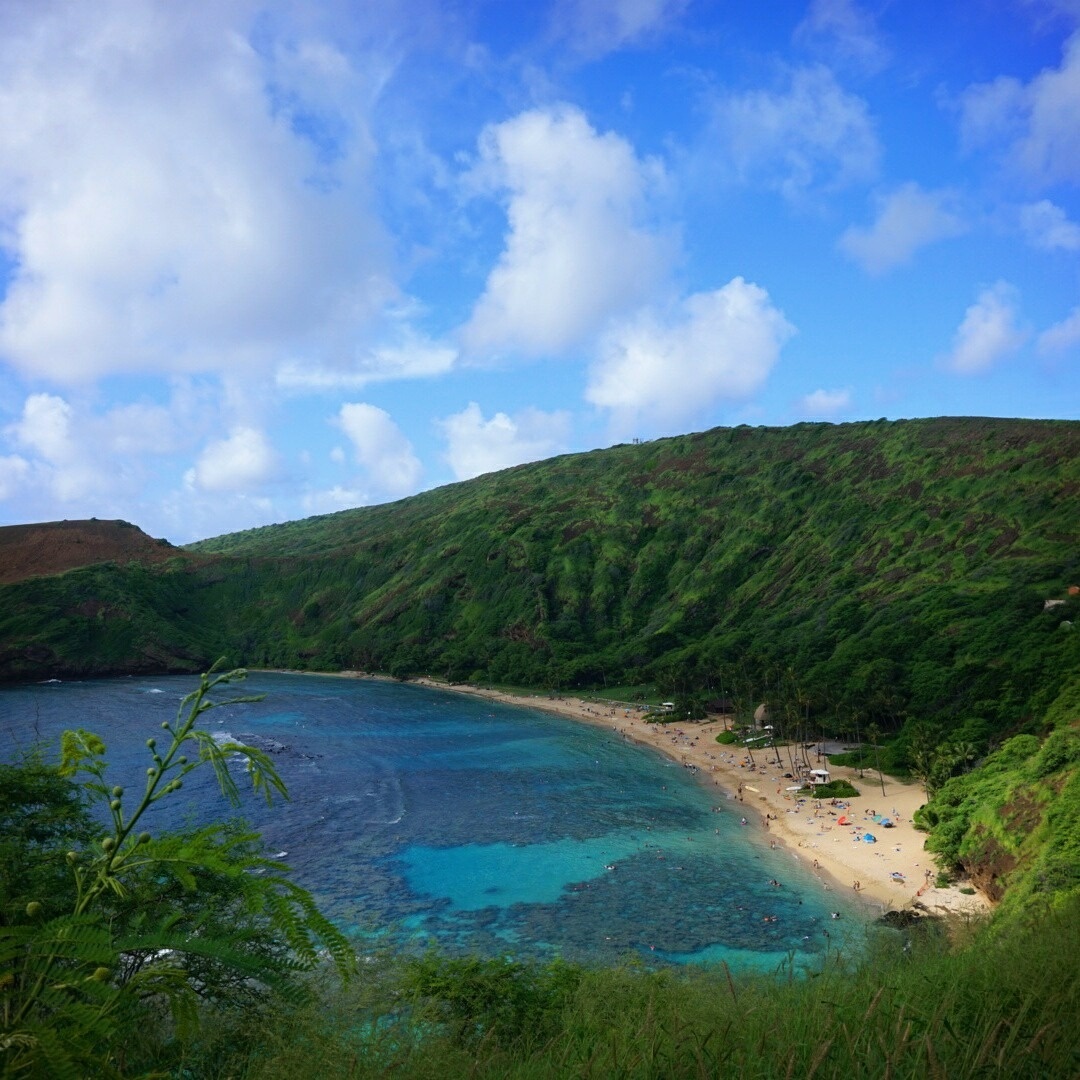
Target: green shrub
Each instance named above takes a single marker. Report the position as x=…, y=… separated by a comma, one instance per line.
x=834, y=789
x=1062, y=748
x=497, y=1000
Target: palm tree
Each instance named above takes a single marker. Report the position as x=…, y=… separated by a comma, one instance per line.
x=858, y=738
x=874, y=732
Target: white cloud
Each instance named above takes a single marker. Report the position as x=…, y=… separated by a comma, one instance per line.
x=593, y=28
x=1061, y=336
x=664, y=369
x=14, y=474
x=1036, y=125
x=380, y=448
x=45, y=428
x=1047, y=226
x=845, y=33
x=165, y=209
x=243, y=460
x=333, y=499
x=812, y=135
x=476, y=446
x=822, y=404
x=907, y=219
x=988, y=331
x=95, y=463
x=63, y=459
x=413, y=357
x=576, y=251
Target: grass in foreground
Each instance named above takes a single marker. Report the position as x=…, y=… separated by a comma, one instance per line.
x=997, y=1004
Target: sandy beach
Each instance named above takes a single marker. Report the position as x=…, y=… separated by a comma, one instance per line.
x=893, y=873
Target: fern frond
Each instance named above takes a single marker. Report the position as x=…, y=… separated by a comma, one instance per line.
x=80, y=749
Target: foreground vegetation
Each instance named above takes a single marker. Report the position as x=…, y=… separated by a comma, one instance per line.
x=189, y=954
x=113, y=940
x=990, y=1007
x=991, y=1000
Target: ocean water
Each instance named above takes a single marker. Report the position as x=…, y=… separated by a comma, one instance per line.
x=421, y=816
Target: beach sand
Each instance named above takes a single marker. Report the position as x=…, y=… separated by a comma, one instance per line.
x=892, y=874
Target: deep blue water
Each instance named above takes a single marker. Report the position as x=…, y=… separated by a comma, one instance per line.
x=427, y=815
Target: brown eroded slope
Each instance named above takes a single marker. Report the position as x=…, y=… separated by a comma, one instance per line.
x=40, y=550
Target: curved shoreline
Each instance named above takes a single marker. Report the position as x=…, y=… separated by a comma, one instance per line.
x=807, y=829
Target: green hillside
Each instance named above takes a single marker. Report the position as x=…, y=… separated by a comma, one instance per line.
x=898, y=569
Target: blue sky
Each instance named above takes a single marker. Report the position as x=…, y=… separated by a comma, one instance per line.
x=265, y=260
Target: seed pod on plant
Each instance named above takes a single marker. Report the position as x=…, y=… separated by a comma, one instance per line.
x=33, y=908
x=117, y=792
x=108, y=843
x=144, y=838
x=151, y=743
x=115, y=804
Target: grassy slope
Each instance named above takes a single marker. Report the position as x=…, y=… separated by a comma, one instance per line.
x=1000, y=1006
x=1014, y=823
x=847, y=552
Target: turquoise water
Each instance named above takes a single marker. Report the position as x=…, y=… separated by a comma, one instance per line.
x=428, y=816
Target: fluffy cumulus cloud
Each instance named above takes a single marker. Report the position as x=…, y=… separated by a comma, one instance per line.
x=380, y=448
x=907, y=220
x=166, y=206
x=241, y=461
x=58, y=459
x=45, y=428
x=94, y=461
x=811, y=135
x=577, y=250
x=475, y=446
x=1035, y=125
x=593, y=28
x=845, y=33
x=662, y=369
x=988, y=332
x=1047, y=226
x=825, y=404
